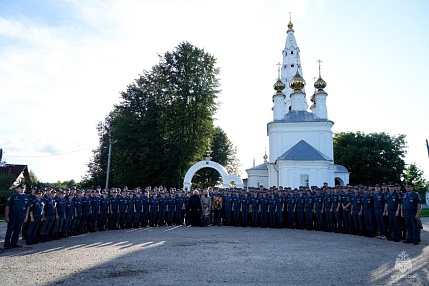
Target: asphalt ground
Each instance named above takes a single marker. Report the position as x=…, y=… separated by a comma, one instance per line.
x=181, y=255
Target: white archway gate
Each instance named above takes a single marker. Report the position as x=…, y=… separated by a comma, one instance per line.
x=226, y=178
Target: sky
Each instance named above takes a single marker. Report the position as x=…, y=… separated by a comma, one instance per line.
x=63, y=64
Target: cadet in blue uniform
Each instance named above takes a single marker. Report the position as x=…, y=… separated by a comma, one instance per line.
x=272, y=210
x=228, y=208
x=319, y=206
x=392, y=208
x=145, y=212
x=411, y=206
x=280, y=209
x=254, y=208
x=104, y=211
x=346, y=203
x=130, y=209
x=309, y=209
x=336, y=208
x=263, y=209
x=113, y=210
x=61, y=209
x=50, y=213
x=300, y=207
x=77, y=218
x=379, y=211
x=154, y=208
x=95, y=210
x=171, y=205
x=329, y=211
x=356, y=211
x=180, y=206
x=162, y=209
x=187, y=212
x=86, y=208
x=291, y=200
x=368, y=212
x=138, y=208
x=236, y=204
x=69, y=213
x=36, y=216
x=122, y=206
x=245, y=201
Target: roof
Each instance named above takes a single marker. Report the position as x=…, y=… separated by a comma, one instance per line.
x=340, y=169
x=302, y=151
x=259, y=167
x=14, y=170
x=300, y=116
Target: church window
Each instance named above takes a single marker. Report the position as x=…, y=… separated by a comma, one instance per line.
x=304, y=180
x=291, y=52
x=292, y=65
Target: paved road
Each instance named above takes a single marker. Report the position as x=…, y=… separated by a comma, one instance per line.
x=216, y=256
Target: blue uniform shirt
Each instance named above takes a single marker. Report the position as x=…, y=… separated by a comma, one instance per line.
x=37, y=207
x=17, y=204
x=410, y=201
x=393, y=199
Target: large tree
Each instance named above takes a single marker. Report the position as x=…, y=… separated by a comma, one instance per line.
x=162, y=125
x=371, y=158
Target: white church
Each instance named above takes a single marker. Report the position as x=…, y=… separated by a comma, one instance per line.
x=300, y=140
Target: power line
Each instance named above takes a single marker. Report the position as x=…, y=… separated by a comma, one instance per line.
x=51, y=155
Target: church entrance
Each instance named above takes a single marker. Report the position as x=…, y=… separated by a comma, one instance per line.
x=227, y=179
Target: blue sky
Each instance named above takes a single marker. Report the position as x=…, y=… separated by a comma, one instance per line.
x=64, y=63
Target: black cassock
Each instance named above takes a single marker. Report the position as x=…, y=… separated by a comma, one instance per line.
x=195, y=210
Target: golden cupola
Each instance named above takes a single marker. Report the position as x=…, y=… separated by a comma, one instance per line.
x=297, y=82
x=279, y=85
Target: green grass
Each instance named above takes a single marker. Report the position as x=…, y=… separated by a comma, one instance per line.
x=424, y=213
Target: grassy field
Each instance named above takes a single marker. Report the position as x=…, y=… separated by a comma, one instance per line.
x=424, y=213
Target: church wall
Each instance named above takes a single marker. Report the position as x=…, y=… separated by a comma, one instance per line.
x=257, y=178
x=283, y=136
x=292, y=173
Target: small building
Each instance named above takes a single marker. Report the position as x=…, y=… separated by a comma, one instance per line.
x=19, y=172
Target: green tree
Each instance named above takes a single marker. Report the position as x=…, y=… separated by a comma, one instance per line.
x=6, y=181
x=33, y=181
x=161, y=126
x=414, y=174
x=371, y=158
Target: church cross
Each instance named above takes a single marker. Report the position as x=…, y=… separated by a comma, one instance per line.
x=278, y=69
x=319, y=61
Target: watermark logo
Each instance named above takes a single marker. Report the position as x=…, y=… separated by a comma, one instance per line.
x=403, y=264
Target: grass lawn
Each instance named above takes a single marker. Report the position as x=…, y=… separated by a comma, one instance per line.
x=424, y=213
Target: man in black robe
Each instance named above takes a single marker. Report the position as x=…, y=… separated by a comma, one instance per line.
x=195, y=209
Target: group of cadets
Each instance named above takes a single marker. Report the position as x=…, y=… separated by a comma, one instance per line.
x=382, y=211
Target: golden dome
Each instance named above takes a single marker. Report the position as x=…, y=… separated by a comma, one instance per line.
x=290, y=26
x=297, y=82
x=279, y=85
x=320, y=84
